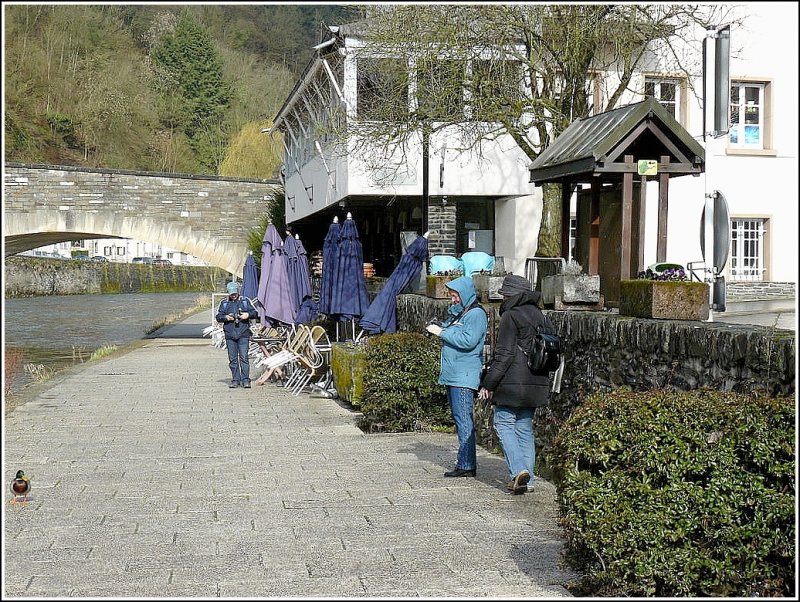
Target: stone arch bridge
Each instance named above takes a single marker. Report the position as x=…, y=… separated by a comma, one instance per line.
x=209, y=217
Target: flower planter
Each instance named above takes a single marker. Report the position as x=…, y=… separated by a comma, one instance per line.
x=571, y=288
x=487, y=286
x=435, y=286
x=347, y=368
x=664, y=299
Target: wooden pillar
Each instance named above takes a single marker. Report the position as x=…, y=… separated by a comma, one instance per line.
x=625, y=231
x=663, y=205
x=594, y=237
x=566, y=193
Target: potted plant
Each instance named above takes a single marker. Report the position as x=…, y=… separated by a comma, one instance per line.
x=667, y=294
x=571, y=286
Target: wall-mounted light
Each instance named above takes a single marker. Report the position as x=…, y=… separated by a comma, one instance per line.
x=310, y=194
x=444, y=200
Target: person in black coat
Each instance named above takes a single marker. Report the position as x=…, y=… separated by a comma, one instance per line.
x=508, y=383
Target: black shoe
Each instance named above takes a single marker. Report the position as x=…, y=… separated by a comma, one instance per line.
x=460, y=472
x=233, y=385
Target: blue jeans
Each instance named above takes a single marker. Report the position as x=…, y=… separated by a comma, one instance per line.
x=238, y=360
x=514, y=427
x=461, y=401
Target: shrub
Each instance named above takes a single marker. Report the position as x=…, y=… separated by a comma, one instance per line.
x=679, y=493
x=400, y=390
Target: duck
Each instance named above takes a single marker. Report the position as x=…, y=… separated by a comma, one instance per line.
x=20, y=487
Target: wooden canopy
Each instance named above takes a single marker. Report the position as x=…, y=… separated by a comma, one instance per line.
x=612, y=152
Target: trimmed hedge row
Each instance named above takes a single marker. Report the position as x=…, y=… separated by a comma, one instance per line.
x=667, y=493
x=400, y=390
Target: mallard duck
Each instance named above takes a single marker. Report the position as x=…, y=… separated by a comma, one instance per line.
x=20, y=487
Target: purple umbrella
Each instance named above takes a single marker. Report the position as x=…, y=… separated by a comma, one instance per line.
x=273, y=287
x=250, y=277
x=349, y=298
x=381, y=315
x=329, y=259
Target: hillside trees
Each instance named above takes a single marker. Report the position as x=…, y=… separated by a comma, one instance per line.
x=189, y=73
x=81, y=87
x=525, y=69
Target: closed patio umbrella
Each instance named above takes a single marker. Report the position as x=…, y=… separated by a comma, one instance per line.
x=381, y=315
x=250, y=277
x=303, y=269
x=329, y=259
x=273, y=287
x=349, y=298
x=298, y=287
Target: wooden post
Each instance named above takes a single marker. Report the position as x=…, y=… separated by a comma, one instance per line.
x=663, y=205
x=625, y=230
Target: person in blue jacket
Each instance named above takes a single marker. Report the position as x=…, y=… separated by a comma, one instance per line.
x=234, y=314
x=463, y=334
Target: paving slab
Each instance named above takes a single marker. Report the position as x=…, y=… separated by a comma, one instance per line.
x=151, y=478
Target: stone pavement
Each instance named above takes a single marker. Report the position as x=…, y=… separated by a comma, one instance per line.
x=150, y=478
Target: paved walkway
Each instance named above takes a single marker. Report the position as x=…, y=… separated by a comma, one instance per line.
x=152, y=479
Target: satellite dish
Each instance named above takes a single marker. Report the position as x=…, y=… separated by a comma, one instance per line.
x=722, y=232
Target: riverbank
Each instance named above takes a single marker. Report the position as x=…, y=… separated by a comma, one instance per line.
x=18, y=397
x=40, y=276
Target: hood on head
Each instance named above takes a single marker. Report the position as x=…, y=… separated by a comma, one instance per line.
x=465, y=287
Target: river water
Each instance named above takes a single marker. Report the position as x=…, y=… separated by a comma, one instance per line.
x=60, y=331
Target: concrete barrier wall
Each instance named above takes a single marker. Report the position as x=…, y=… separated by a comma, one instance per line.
x=34, y=276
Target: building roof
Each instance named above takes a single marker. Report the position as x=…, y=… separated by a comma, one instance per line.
x=596, y=145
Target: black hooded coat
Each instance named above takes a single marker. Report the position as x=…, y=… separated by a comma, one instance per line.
x=508, y=377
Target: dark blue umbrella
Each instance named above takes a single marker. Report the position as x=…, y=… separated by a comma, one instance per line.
x=303, y=269
x=349, y=298
x=273, y=287
x=381, y=315
x=250, y=277
x=296, y=288
x=329, y=259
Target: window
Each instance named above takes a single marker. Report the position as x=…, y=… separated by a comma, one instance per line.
x=668, y=94
x=382, y=89
x=494, y=84
x=120, y=250
x=747, y=116
x=440, y=89
x=107, y=251
x=747, y=259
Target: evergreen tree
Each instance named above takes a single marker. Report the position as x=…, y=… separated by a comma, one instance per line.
x=189, y=60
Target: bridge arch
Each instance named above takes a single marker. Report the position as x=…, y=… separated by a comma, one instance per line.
x=205, y=216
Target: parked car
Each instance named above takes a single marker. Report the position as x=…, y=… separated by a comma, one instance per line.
x=99, y=258
x=162, y=262
x=147, y=260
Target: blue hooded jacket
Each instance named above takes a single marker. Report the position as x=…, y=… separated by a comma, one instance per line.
x=463, y=338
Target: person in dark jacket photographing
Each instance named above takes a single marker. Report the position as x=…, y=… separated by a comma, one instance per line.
x=234, y=314
x=509, y=384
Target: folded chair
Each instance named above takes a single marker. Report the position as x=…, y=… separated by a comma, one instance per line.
x=288, y=353
x=309, y=361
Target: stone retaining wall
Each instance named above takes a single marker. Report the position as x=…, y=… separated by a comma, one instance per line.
x=754, y=291
x=34, y=276
x=604, y=351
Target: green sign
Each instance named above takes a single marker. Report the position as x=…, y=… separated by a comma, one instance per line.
x=648, y=167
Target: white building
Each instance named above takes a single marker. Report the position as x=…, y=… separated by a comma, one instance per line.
x=754, y=166
x=119, y=250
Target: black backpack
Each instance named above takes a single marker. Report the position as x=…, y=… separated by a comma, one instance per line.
x=544, y=354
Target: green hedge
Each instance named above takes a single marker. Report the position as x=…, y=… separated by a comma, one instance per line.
x=400, y=390
x=679, y=493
